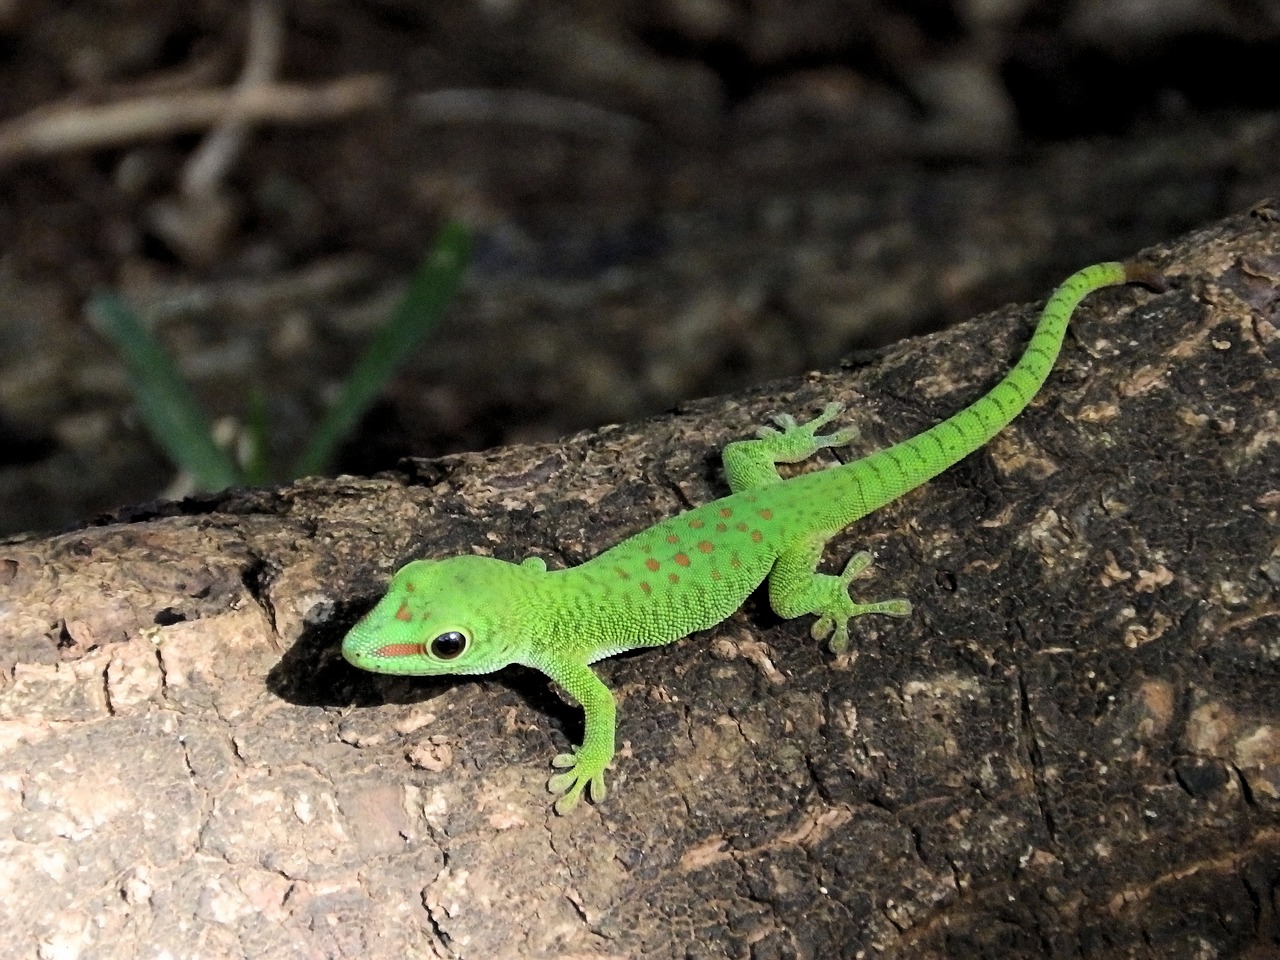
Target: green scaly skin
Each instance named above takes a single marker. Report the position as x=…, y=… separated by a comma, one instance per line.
x=471, y=615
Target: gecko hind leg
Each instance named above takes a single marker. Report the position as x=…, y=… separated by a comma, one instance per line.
x=796, y=588
x=749, y=464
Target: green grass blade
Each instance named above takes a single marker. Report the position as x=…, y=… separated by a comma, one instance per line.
x=417, y=313
x=257, y=471
x=168, y=406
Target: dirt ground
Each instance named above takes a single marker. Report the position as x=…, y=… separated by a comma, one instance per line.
x=669, y=199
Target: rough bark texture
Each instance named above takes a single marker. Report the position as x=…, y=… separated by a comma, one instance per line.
x=1071, y=749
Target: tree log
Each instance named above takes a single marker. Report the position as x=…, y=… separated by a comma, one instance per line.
x=1070, y=749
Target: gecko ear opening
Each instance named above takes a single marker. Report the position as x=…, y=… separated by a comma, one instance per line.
x=449, y=646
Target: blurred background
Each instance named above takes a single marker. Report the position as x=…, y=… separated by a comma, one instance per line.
x=665, y=199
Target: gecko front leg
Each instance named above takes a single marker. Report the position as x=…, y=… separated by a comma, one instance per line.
x=583, y=769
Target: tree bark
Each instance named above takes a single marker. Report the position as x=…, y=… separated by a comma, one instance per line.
x=1070, y=749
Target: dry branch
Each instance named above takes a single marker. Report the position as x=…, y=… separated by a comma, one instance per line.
x=60, y=128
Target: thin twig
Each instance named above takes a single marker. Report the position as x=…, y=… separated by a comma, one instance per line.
x=56, y=129
x=528, y=108
x=209, y=163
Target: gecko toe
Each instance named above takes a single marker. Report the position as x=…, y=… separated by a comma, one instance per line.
x=566, y=803
x=564, y=782
x=857, y=563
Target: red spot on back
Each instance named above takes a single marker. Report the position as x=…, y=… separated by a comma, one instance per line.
x=403, y=613
x=644, y=585
x=726, y=512
x=740, y=527
x=399, y=650
x=735, y=562
x=682, y=559
x=673, y=578
x=766, y=514
x=672, y=538
x=622, y=574
x=721, y=528
x=410, y=587
x=652, y=564
x=696, y=524
x=756, y=536
x=706, y=546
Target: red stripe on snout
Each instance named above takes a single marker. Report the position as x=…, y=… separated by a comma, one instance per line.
x=399, y=650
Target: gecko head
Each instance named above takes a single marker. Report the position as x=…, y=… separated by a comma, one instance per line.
x=455, y=616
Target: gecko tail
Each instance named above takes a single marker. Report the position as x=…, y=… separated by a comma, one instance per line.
x=911, y=462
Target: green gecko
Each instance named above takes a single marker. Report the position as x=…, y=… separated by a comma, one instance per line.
x=474, y=614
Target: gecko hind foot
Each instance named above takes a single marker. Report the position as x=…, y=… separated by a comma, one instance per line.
x=797, y=441
x=833, y=621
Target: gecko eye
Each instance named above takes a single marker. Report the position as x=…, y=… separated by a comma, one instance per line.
x=448, y=646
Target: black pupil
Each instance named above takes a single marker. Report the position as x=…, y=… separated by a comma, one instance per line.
x=448, y=645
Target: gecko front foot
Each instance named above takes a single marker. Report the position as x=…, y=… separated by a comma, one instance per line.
x=579, y=774
x=833, y=620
